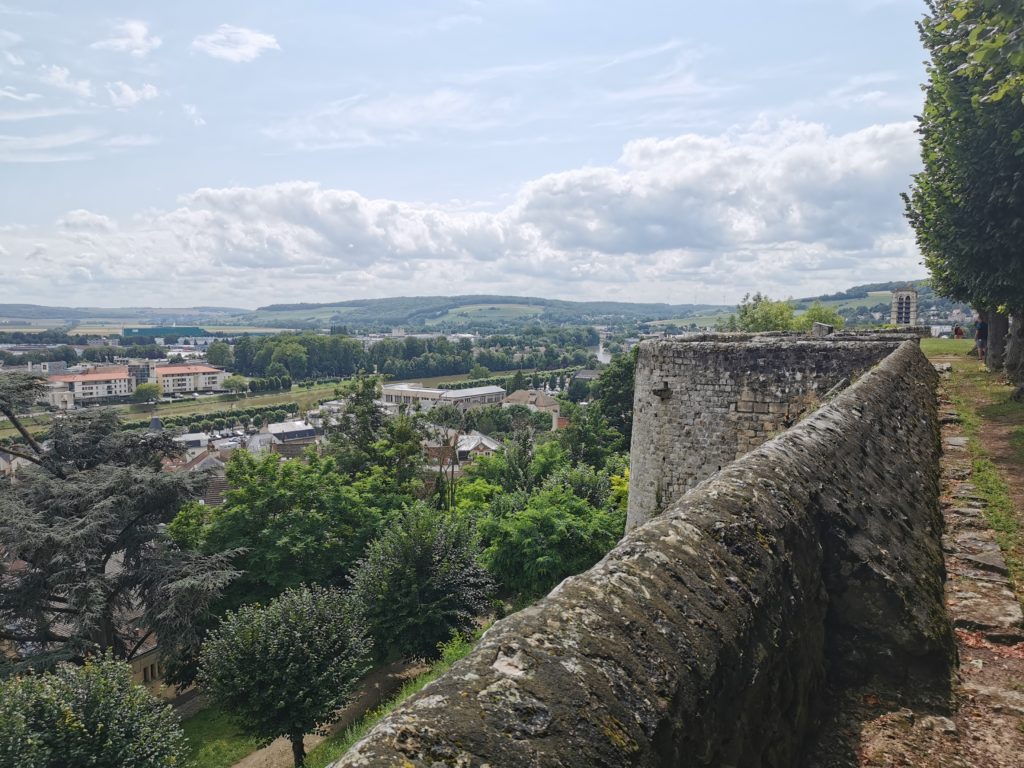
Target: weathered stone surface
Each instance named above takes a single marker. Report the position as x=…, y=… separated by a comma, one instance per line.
x=706, y=637
x=729, y=394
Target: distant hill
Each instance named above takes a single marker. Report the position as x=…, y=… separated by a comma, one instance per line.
x=923, y=287
x=471, y=310
x=484, y=312
x=147, y=315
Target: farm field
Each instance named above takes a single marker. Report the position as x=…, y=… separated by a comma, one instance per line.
x=484, y=312
x=873, y=298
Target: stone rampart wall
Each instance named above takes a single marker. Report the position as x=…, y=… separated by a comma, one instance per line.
x=701, y=403
x=705, y=638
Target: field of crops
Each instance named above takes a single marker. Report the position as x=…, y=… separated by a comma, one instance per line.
x=487, y=312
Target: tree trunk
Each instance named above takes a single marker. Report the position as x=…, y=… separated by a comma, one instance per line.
x=1014, y=359
x=998, y=326
x=298, y=750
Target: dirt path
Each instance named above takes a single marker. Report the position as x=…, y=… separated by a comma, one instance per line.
x=984, y=726
x=379, y=686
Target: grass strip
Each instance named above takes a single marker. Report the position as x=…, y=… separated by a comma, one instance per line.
x=970, y=387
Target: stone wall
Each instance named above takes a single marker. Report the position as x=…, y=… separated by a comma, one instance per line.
x=706, y=637
x=701, y=403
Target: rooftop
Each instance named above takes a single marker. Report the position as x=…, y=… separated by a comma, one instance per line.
x=104, y=374
x=185, y=370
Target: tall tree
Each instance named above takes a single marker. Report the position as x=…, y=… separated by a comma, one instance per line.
x=87, y=565
x=420, y=582
x=219, y=354
x=285, y=669
x=967, y=204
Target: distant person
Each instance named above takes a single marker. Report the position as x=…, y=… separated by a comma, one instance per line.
x=958, y=332
x=981, y=337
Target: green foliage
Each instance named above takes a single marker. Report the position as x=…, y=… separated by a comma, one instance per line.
x=759, y=313
x=99, y=496
x=613, y=394
x=146, y=393
x=362, y=437
x=236, y=384
x=478, y=372
x=557, y=535
x=297, y=522
x=965, y=204
x=420, y=582
x=89, y=716
x=818, y=313
x=588, y=438
x=219, y=354
x=284, y=669
x=495, y=421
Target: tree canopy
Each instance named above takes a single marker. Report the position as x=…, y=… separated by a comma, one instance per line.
x=967, y=204
x=284, y=669
x=90, y=565
x=89, y=716
x=420, y=582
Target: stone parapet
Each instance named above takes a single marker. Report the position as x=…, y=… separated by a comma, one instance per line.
x=701, y=402
x=706, y=637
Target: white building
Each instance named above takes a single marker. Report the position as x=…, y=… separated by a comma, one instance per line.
x=97, y=385
x=178, y=379
x=395, y=395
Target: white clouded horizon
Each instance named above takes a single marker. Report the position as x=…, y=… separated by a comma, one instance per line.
x=790, y=208
x=235, y=44
x=254, y=153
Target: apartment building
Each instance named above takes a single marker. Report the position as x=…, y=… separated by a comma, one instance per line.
x=181, y=379
x=93, y=387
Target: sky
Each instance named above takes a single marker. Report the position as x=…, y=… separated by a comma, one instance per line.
x=238, y=154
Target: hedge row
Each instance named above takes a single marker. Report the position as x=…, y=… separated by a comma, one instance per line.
x=256, y=414
x=505, y=381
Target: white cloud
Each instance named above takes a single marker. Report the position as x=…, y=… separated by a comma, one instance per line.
x=192, y=113
x=130, y=36
x=236, y=44
x=48, y=148
x=82, y=220
x=123, y=95
x=6, y=92
x=13, y=59
x=397, y=118
x=788, y=208
x=60, y=77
